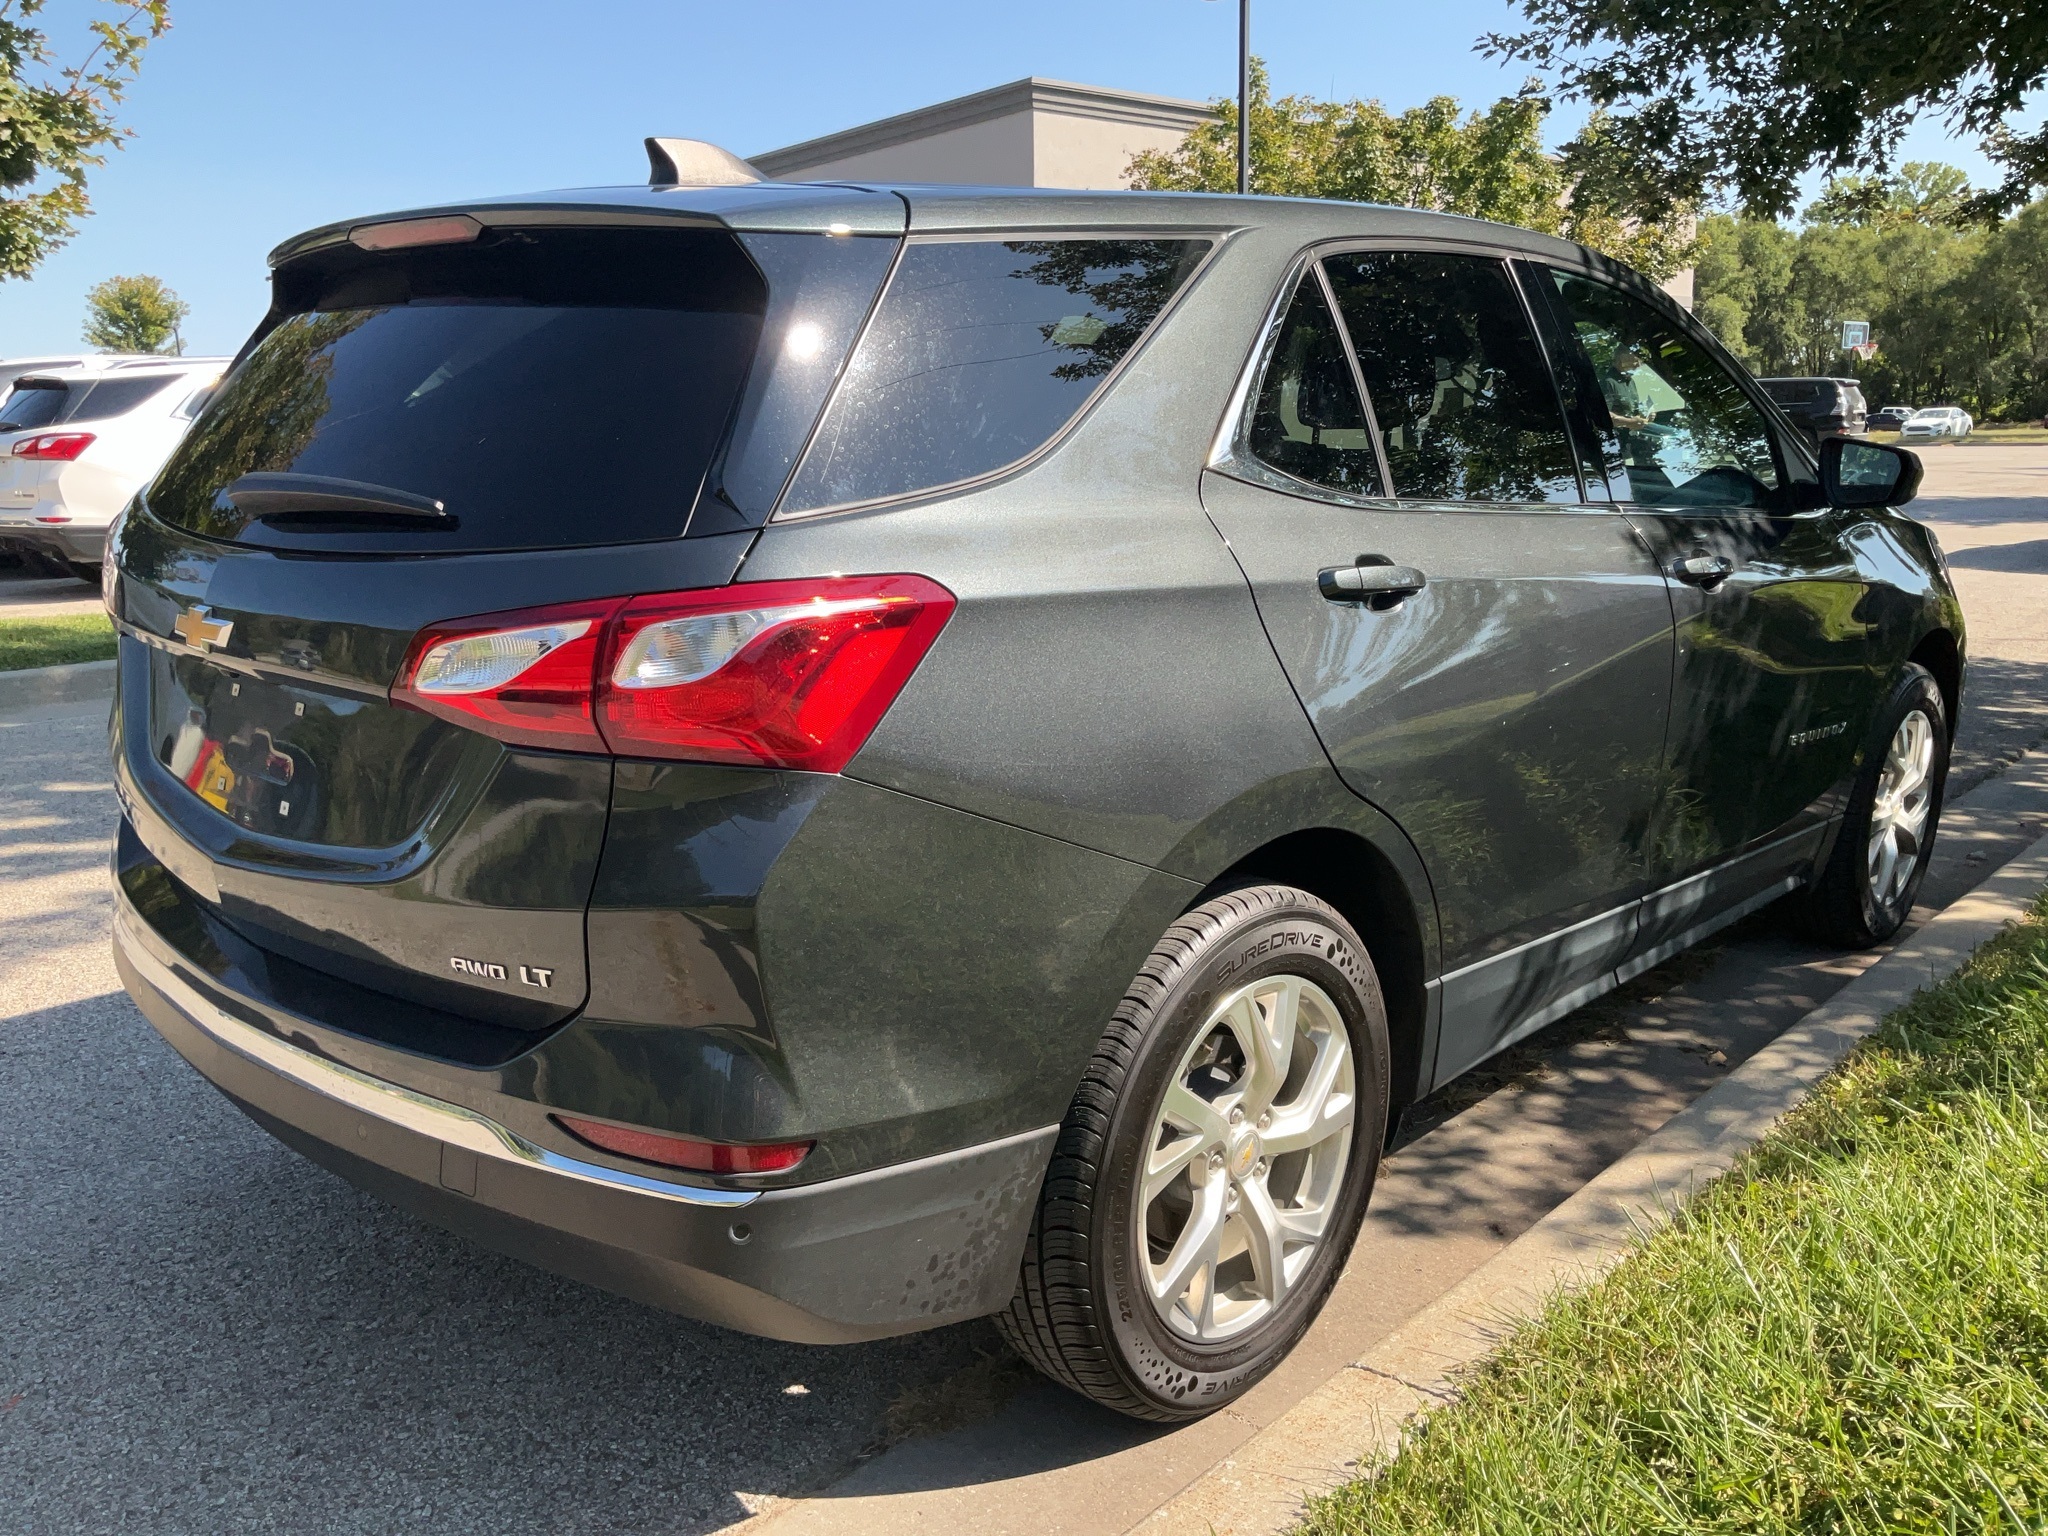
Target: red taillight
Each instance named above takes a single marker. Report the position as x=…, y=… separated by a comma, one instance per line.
x=522, y=677
x=686, y=1151
x=54, y=445
x=786, y=674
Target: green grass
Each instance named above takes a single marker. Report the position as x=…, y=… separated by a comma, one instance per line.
x=52, y=642
x=1847, y=1333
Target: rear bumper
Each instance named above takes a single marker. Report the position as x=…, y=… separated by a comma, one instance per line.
x=80, y=541
x=892, y=1251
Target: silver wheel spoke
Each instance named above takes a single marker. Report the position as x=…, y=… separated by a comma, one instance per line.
x=1196, y=1250
x=1266, y=1233
x=1320, y=1110
x=1219, y=1252
x=1269, y=1014
x=1901, y=808
x=1188, y=1111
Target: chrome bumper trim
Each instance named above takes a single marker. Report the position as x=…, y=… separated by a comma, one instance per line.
x=416, y=1112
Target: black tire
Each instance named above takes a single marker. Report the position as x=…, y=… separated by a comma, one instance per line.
x=1843, y=906
x=90, y=574
x=1082, y=1313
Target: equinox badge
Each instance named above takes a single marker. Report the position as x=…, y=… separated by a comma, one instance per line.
x=197, y=629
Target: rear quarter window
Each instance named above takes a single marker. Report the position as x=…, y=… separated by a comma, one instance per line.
x=979, y=352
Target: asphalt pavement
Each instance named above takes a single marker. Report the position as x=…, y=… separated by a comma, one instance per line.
x=201, y=1332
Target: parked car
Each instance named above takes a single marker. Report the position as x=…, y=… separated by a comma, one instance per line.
x=1028, y=729
x=77, y=441
x=1949, y=422
x=1889, y=418
x=1820, y=407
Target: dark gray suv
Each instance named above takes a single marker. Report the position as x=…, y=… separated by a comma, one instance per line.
x=839, y=759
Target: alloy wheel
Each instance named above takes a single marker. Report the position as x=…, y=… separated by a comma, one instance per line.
x=1246, y=1161
x=1898, y=815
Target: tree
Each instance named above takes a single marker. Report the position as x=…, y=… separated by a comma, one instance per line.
x=54, y=118
x=1921, y=193
x=1487, y=165
x=1746, y=96
x=135, y=314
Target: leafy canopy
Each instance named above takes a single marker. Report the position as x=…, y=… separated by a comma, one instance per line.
x=1743, y=97
x=1959, y=313
x=1487, y=165
x=135, y=314
x=54, y=118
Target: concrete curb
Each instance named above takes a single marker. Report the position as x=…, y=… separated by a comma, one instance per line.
x=79, y=683
x=1361, y=1413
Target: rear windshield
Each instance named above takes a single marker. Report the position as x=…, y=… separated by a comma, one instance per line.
x=978, y=353
x=550, y=388
x=52, y=402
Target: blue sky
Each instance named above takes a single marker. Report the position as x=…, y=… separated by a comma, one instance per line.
x=257, y=118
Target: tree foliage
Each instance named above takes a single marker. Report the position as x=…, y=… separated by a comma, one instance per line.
x=55, y=118
x=1485, y=164
x=1959, y=314
x=1746, y=96
x=135, y=314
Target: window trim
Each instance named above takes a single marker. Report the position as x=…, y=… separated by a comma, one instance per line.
x=1229, y=451
x=1778, y=430
x=1217, y=238
x=1786, y=439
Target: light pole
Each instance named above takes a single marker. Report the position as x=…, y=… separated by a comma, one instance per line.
x=1244, y=96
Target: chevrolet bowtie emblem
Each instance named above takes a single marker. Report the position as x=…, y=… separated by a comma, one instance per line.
x=197, y=630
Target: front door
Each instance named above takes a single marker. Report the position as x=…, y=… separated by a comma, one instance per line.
x=1773, y=682
x=1509, y=711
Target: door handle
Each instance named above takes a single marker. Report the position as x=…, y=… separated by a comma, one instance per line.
x=1380, y=586
x=1703, y=571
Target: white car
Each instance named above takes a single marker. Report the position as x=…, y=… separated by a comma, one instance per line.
x=1937, y=421
x=78, y=439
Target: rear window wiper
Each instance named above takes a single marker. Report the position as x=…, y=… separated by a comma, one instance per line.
x=326, y=500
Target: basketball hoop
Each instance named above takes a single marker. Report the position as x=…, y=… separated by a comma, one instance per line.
x=1865, y=350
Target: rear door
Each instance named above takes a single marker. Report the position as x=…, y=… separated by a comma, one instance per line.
x=1774, y=676
x=563, y=397
x=1508, y=712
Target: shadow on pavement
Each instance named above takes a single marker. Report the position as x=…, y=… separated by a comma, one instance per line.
x=203, y=1332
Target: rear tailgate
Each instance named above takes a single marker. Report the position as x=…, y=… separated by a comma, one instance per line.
x=523, y=418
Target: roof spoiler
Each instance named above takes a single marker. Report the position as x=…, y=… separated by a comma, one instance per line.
x=694, y=163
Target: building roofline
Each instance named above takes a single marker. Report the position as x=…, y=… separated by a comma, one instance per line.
x=1026, y=95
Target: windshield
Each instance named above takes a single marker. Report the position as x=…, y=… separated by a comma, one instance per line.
x=550, y=388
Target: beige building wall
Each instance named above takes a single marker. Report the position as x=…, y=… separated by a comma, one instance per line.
x=1029, y=133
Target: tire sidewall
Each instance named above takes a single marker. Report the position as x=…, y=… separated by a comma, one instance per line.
x=1915, y=690
x=1302, y=940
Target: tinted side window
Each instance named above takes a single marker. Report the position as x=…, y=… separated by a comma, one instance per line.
x=33, y=405
x=1461, y=392
x=978, y=353
x=1689, y=435
x=1308, y=422
x=117, y=397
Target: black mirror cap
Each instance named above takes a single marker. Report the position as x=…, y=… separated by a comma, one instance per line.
x=1902, y=489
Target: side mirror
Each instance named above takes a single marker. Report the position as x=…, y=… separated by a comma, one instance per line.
x=1859, y=474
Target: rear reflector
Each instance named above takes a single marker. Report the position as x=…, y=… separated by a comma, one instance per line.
x=54, y=445
x=685, y=1151
x=785, y=674
x=444, y=229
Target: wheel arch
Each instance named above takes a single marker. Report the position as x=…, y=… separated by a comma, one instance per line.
x=1369, y=888
x=1940, y=654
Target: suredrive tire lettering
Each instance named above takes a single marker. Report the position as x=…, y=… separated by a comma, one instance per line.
x=1081, y=1313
